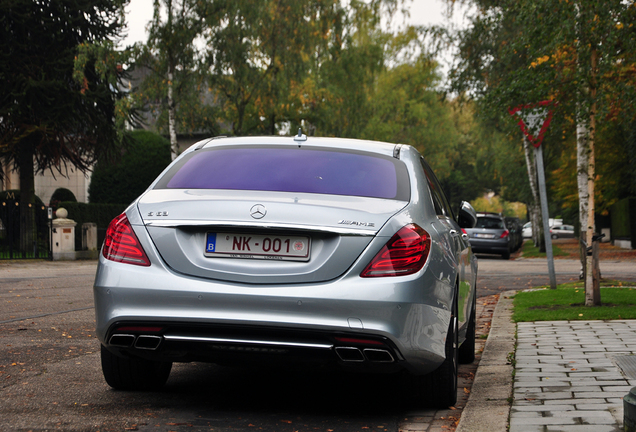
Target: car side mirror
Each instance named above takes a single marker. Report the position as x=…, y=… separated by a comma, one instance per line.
x=467, y=216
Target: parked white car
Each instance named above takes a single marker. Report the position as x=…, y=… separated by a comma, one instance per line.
x=562, y=231
x=527, y=227
x=526, y=232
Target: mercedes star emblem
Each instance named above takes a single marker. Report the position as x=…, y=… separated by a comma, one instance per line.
x=258, y=211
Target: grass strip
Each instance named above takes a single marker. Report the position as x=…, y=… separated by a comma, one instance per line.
x=529, y=250
x=567, y=303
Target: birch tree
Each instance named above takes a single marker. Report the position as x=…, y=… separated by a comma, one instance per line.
x=587, y=45
x=535, y=208
x=168, y=61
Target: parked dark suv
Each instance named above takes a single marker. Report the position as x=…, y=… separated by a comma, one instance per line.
x=491, y=235
x=514, y=226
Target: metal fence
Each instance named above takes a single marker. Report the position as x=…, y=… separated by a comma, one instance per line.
x=28, y=244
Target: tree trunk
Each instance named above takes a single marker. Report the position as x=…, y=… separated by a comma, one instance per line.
x=581, y=178
x=172, y=106
x=237, y=127
x=272, y=124
x=535, y=207
x=596, y=277
x=27, y=196
x=582, y=150
x=590, y=264
x=172, y=116
x=592, y=298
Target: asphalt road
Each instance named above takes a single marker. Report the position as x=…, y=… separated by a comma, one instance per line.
x=50, y=374
x=496, y=274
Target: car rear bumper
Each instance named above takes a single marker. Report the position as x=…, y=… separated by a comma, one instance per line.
x=185, y=342
x=496, y=246
x=385, y=323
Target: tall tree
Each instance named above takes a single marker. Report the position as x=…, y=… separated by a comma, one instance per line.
x=48, y=120
x=269, y=60
x=259, y=53
x=172, y=84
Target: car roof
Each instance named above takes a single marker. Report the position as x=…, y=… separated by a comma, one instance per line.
x=378, y=147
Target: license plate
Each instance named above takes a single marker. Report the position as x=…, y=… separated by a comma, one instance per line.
x=485, y=236
x=266, y=247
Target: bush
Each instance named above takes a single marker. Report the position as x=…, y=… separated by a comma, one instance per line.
x=624, y=220
x=122, y=181
x=61, y=194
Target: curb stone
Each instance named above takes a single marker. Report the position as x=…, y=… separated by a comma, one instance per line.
x=488, y=407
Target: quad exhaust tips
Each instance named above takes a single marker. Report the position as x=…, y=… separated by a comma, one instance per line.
x=346, y=354
x=144, y=342
x=374, y=355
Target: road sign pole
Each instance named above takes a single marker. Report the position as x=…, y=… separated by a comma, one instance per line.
x=538, y=153
x=534, y=120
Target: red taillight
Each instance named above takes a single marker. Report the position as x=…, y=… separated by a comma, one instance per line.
x=404, y=254
x=505, y=234
x=122, y=245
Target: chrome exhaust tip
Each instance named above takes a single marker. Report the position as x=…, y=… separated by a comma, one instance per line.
x=148, y=342
x=349, y=354
x=122, y=340
x=378, y=355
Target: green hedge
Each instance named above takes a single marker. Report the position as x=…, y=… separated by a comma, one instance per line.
x=622, y=216
x=100, y=214
x=60, y=195
x=123, y=180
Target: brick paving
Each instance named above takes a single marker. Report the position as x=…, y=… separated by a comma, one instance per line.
x=566, y=377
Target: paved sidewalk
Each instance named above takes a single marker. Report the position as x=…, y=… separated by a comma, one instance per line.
x=567, y=378
x=488, y=407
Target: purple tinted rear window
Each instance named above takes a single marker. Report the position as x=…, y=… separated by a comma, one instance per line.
x=288, y=170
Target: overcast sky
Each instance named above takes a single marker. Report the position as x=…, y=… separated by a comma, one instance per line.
x=423, y=12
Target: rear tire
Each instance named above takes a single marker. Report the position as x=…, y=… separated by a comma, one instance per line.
x=128, y=373
x=466, y=353
x=506, y=255
x=554, y=236
x=439, y=388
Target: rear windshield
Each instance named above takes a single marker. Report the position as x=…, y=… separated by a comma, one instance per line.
x=285, y=169
x=488, y=222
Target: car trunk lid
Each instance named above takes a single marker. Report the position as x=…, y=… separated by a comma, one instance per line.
x=247, y=236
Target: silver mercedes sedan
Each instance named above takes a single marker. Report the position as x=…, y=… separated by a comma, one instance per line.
x=326, y=251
